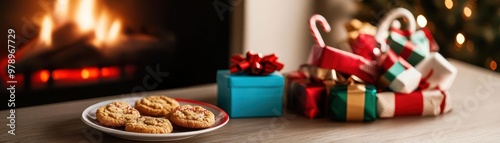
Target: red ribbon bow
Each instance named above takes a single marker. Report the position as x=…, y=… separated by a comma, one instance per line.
x=255, y=64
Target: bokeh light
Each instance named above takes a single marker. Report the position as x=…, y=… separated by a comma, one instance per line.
x=460, y=38
x=421, y=21
x=448, y=4
x=467, y=12
x=493, y=65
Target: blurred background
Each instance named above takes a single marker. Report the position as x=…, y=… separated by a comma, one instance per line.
x=77, y=49
x=467, y=30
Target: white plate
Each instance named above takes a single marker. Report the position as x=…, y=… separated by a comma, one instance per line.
x=88, y=117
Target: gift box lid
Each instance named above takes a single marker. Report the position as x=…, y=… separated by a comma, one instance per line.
x=244, y=80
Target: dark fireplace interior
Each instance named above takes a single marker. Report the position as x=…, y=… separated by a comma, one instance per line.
x=158, y=44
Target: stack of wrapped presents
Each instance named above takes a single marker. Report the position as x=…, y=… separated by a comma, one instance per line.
x=392, y=71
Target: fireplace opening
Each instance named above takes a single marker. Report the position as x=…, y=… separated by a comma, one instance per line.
x=92, y=48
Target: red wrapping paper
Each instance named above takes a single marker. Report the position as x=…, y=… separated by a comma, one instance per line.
x=434, y=47
x=308, y=98
x=347, y=63
x=307, y=95
x=409, y=104
x=363, y=45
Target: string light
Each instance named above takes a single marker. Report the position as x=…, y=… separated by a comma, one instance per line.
x=421, y=21
x=448, y=4
x=467, y=12
x=460, y=38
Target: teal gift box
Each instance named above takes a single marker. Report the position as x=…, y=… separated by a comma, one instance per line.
x=242, y=95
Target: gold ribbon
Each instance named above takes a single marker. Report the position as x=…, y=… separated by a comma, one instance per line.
x=355, y=102
x=356, y=27
x=323, y=74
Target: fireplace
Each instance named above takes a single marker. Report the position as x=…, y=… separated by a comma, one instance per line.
x=91, y=48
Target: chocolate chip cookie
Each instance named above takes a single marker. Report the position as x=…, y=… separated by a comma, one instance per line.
x=156, y=105
x=192, y=117
x=116, y=114
x=150, y=125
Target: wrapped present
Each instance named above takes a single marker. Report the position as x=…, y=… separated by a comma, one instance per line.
x=398, y=75
x=307, y=93
x=251, y=87
x=341, y=61
x=243, y=95
x=291, y=77
x=418, y=39
x=308, y=98
x=413, y=50
x=411, y=45
x=364, y=45
x=356, y=102
x=420, y=103
x=437, y=72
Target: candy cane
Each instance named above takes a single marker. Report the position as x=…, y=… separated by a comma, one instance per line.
x=387, y=20
x=314, y=29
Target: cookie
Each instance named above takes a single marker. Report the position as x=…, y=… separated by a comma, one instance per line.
x=192, y=117
x=150, y=125
x=116, y=114
x=156, y=105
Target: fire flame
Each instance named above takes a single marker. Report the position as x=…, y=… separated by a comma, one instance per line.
x=45, y=32
x=114, y=31
x=100, y=33
x=85, y=15
x=61, y=10
x=104, y=29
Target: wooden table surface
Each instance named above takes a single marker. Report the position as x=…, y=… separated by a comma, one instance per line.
x=475, y=118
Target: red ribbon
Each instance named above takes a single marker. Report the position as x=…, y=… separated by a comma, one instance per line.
x=405, y=33
x=424, y=84
x=255, y=64
x=443, y=103
x=434, y=47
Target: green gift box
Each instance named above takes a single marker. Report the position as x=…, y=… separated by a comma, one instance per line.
x=356, y=102
x=413, y=50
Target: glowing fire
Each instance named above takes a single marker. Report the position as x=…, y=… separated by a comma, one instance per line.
x=44, y=75
x=45, y=32
x=61, y=10
x=85, y=15
x=85, y=73
x=104, y=29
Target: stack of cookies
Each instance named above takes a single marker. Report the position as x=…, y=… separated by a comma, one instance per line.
x=155, y=115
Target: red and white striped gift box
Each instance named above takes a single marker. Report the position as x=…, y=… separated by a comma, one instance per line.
x=422, y=103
